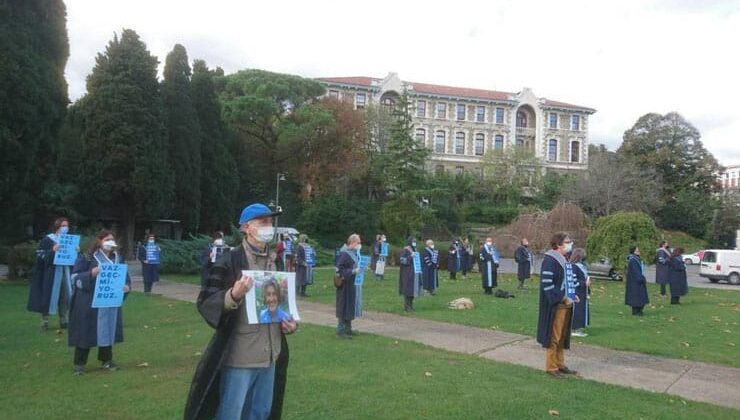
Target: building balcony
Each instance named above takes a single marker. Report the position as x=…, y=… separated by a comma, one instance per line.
x=526, y=131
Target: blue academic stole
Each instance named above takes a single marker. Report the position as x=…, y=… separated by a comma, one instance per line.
x=434, y=255
x=570, y=288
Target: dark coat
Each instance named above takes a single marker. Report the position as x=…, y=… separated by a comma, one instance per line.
x=465, y=259
x=303, y=273
x=42, y=280
x=635, y=293
x=429, y=268
x=677, y=277
x=83, y=318
x=580, y=308
x=523, y=259
x=454, y=263
x=346, y=296
x=376, y=255
x=206, y=263
x=488, y=267
x=203, y=397
x=407, y=280
x=552, y=292
x=662, y=269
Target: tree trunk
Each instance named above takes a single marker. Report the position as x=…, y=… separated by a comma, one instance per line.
x=129, y=227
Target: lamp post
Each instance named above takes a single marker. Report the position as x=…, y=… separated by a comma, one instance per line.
x=279, y=177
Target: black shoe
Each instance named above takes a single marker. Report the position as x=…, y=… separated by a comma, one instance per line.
x=110, y=366
x=567, y=371
x=344, y=336
x=556, y=374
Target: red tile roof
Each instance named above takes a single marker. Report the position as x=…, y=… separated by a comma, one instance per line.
x=444, y=90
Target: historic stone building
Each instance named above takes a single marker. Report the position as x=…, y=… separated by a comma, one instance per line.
x=459, y=125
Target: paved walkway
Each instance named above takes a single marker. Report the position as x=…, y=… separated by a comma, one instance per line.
x=697, y=381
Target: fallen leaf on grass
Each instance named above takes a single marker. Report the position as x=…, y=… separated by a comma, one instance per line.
x=105, y=385
x=395, y=342
x=197, y=353
x=188, y=335
x=554, y=412
x=56, y=340
x=428, y=374
x=494, y=327
x=169, y=305
x=145, y=364
x=731, y=344
x=686, y=344
x=154, y=376
x=727, y=331
x=59, y=332
x=146, y=326
x=26, y=366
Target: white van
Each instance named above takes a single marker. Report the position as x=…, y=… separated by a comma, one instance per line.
x=721, y=264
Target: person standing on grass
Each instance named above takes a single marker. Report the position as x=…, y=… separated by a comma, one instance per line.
x=149, y=254
x=662, y=266
x=557, y=295
x=635, y=292
x=375, y=252
x=489, y=261
x=94, y=327
x=430, y=268
x=209, y=255
x=348, y=265
x=677, y=276
x=242, y=372
x=380, y=264
x=454, y=259
x=408, y=279
x=524, y=261
x=303, y=270
x=581, y=314
x=466, y=257
x=51, y=288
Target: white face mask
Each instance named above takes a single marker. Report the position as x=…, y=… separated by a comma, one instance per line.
x=109, y=245
x=151, y=241
x=265, y=234
x=63, y=230
x=218, y=242
x=489, y=244
x=569, y=247
x=431, y=246
x=359, y=247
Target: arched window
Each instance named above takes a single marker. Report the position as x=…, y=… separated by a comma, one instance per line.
x=480, y=141
x=439, y=141
x=521, y=119
x=552, y=150
x=498, y=142
x=575, y=151
x=460, y=143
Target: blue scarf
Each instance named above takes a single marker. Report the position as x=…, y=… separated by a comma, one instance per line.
x=434, y=255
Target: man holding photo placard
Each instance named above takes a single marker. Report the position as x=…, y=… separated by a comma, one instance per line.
x=245, y=364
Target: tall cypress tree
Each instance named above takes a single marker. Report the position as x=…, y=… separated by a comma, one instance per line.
x=33, y=98
x=404, y=156
x=126, y=173
x=219, y=177
x=184, y=137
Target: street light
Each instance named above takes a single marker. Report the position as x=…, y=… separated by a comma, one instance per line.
x=279, y=177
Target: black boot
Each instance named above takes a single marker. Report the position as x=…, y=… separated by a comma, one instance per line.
x=662, y=289
x=675, y=300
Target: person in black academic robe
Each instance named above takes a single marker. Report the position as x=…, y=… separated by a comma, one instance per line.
x=580, y=306
x=348, y=265
x=662, y=269
x=524, y=258
x=556, y=307
x=149, y=270
x=489, y=261
x=94, y=327
x=465, y=258
x=51, y=288
x=430, y=267
x=376, y=252
x=635, y=293
x=303, y=271
x=677, y=277
x=408, y=280
x=454, y=259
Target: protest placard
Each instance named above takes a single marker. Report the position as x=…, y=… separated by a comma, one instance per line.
x=67, y=252
x=364, y=262
x=152, y=254
x=417, y=263
x=384, y=249
x=108, y=292
x=272, y=298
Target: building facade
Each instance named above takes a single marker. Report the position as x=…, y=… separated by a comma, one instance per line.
x=459, y=125
x=730, y=178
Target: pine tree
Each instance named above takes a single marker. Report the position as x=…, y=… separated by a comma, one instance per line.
x=126, y=173
x=404, y=157
x=184, y=138
x=219, y=179
x=33, y=98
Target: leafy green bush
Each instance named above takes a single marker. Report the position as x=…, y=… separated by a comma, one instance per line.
x=613, y=235
x=489, y=212
x=21, y=259
x=331, y=219
x=183, y=257
x=4, y=250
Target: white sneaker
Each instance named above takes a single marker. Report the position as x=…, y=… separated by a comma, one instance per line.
x=579, y=334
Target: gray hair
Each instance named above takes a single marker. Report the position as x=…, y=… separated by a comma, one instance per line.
x=578, y=255
x=353, y=238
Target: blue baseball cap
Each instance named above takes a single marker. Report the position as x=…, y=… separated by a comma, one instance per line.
x=256, y=211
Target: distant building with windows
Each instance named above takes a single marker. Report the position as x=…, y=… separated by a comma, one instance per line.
x=459, y=125
x=730, y=178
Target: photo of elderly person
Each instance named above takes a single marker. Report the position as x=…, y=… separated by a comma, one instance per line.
x=271, y=301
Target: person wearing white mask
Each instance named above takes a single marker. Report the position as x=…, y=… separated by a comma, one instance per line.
x=489, y=261
x=236, y=376
x=209, y=256
x=557, y=295
x=94, y=327
x=50, y=289
x=149, y=255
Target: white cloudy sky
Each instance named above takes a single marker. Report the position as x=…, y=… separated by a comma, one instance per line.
x=622, y=57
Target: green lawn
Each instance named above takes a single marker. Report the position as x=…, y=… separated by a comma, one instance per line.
x=368, y=377
x=705, y=327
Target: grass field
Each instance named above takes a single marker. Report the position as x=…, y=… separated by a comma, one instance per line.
x=705, y=327
x=367, y=378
